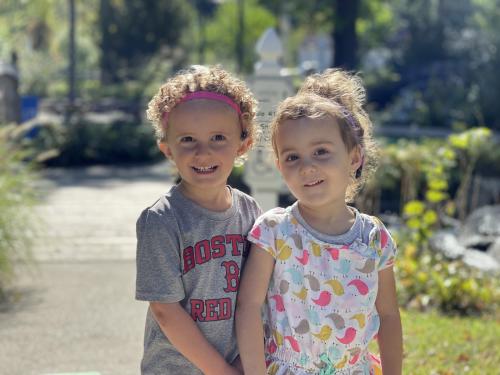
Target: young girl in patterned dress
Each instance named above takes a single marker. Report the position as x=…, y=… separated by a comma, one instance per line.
x=322, y=270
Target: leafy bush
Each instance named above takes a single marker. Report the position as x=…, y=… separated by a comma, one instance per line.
x=16, y=200
x=428, y=280
x=83, y=142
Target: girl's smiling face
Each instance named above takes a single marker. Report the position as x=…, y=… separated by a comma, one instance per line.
x=314, y=161
x=203, y=139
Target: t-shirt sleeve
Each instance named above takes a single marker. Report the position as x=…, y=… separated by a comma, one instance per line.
x=157, y=260
x=385, y=245
x=263, y=235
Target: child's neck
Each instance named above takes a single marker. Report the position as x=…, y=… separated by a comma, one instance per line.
x=334, y=221
x=219, y=199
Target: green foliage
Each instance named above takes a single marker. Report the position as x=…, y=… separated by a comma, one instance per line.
x=16, y=201
x=222, y=31
x=428, y=280
x=131, y=31
x=115, y=142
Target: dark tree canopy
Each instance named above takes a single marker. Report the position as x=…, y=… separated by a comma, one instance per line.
x=133, y=30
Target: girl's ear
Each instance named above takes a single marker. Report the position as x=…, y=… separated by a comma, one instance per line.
x=244, y=146
x=163, y=146
x=356, y=158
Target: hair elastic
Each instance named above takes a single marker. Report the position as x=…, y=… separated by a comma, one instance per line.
x=356, y=126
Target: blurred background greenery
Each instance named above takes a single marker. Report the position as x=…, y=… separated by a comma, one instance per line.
x=430, y=68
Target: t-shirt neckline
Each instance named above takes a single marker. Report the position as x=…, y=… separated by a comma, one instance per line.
x=346, y=238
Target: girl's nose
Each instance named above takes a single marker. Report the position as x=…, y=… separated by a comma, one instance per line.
x=307, y=166
x=202, y=149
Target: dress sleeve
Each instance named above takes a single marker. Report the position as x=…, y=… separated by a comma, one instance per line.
x=384, y=243
x=263, y=234
x=157, y=260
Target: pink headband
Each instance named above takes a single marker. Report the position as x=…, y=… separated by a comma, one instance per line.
x=206, y=95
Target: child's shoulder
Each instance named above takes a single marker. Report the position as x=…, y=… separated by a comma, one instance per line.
x=374, y=232
x=247, y=201
x=273, y=216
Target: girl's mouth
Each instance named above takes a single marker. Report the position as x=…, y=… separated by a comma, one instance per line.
x=205, y=170
x=313, y=183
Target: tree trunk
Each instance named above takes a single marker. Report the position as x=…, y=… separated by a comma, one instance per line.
x=345, y=40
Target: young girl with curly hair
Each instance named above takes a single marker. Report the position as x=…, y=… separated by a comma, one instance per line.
x=322, y=269
x=192, y=240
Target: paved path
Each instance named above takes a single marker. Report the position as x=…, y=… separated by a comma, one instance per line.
x=74, y=312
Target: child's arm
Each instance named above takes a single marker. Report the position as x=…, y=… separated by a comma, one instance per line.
x=252, y=293
x=185, y=335
x=390, y=337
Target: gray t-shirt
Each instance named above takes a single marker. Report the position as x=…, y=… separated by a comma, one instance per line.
x=191, y=255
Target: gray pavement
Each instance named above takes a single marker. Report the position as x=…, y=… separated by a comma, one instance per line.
x=73, y=310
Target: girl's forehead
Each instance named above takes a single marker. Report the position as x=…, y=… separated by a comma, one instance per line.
x=202, y=106
x=308, y=122
x=202, y=114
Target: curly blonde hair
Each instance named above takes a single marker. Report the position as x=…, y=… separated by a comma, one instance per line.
x=202, y=78
x=339, y=95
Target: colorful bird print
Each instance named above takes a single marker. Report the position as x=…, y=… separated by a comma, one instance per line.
x=349, y=335
x=336, y=286
x=293, y=343
x=283, y=323
x=360, y=286
x=302, y=294
x=342, y=363
x=337, y=320
x=271, y=347
x=255, y=232
x=297, y=240
x=344, y=267
x=284, y=286
x=384, y=238
x=368, y=267
x=324, y=333
x=316, y=249
x=270, y=222
x=297, y=276
x=284, y=251
x=324, y=298
x=360, y=318
x=334, y=252
x=313, y=317
x=313, y=282
x=303, y=327
x=280, y=307
x=355, y=354
x=304, y=259
x=278, y=337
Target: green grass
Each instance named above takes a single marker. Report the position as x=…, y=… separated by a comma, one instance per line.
x=435, y=344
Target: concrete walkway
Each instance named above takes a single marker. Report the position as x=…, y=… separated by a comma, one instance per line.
x=73, y=311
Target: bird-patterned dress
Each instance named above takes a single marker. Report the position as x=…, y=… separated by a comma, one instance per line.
x=320, y=313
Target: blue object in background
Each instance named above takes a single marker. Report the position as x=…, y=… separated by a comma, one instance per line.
x=29, y=107
x=29, y=110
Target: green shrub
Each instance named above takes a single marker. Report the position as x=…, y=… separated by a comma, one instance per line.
x=83, y=142
x=426, y=278
x=16, y=201
x=430, y=281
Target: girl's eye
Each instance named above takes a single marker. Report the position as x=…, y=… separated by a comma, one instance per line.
x=321, y=151
x=219, y=137
x=186, y=139
x=291, y=158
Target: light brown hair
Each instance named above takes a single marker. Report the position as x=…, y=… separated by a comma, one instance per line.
x=339, y=95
